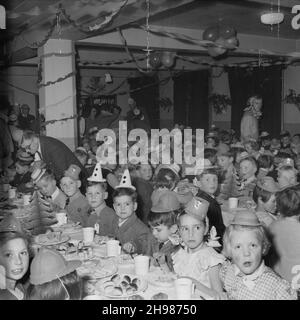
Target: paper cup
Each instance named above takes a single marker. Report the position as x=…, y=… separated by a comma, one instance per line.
x=12, y=193
x=88, y=235
x=61, y=218
x=232, y=203
x=184, y=288
x=141, y=265
x=26, y=199
x=113, y=248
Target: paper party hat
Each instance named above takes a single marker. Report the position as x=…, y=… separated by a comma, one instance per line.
x=125, y=181
x=97, y=174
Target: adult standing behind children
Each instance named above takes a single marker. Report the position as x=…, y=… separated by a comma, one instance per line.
x=6, y=141
x=25, y=119
x=54, y=153
x=249, y=122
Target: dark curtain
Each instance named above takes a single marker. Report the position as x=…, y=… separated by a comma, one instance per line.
x=147, y=98
x=191, y=99
x=266, y=81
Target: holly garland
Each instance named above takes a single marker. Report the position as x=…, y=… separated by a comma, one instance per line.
x=219, y=102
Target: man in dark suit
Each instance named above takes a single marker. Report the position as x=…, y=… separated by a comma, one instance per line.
x=25, y=119
x=54, y=153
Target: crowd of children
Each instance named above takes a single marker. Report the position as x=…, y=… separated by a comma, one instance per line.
x=175, y=218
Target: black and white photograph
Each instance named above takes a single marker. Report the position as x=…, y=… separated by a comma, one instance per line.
x=150, y=150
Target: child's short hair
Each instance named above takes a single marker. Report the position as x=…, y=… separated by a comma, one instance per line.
x=165, y=178
x=80, y=153
x=265, y=161
x=210, y=154
x=225, y=136
x=253, y=144
x=103, y=185
x=261, y=193
x=54, y=290
x=250, y=159
x=48, y=175
x=8, y=236
x=182, y=213
x=230, y=154
x=162, y=218
x=288, y=201
x=125, y=192
x=213, y=171
x=260, y=233
x=236, y=151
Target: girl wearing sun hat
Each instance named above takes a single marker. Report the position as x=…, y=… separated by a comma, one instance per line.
x=54, y=278
x=244, y=275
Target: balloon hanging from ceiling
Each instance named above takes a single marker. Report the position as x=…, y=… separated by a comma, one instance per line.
x=155, y=59
x=158, y=59
x=168, y=59
x=223, y=38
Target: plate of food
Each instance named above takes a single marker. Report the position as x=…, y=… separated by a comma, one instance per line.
x=51, y=238
x=161, y=279
x=96, y=269
x=121, y=286
x=70, y=227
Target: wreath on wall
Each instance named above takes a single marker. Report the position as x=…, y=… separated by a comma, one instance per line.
x=219, y=102
x=293, y=98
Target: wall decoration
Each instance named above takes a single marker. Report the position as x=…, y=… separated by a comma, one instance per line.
x=293, y=98
x=219, y=102
x=165, y=104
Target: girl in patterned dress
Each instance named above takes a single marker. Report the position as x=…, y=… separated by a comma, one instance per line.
x=246, y=277
x=198, y=260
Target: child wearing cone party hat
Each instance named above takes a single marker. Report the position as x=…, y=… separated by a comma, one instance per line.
x=132, y=233
x=77, y=205
x=100, y=216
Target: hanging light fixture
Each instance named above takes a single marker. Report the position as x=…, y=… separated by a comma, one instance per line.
x=272, y=17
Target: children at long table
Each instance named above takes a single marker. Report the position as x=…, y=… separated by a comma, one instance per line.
x=178, y=239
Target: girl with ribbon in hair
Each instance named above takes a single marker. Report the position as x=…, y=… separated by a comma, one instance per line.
x=198, y=259
x=249, y=122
